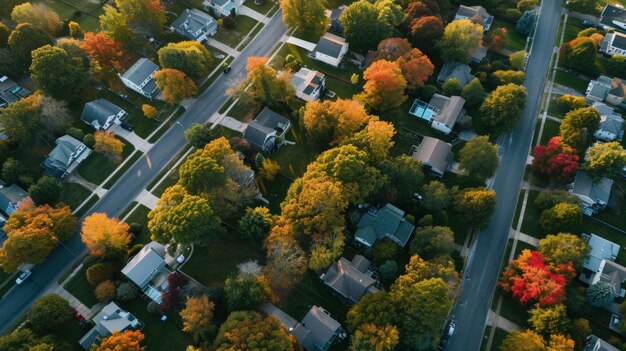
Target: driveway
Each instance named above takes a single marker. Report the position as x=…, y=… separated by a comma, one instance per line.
x=246, y=11
x=301, y=43
x=138, y=142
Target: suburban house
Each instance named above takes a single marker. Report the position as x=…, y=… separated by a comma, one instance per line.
x=599, y=249
x=441, y=112
x=613, y=43
x=594, y=196
x=330, y=49
x=65, y=157
x=435, y=155
x=612, y=273
x=147, y=270
x=308, y=84
x=476, y=14
x=351, y=279
x=223, y=7
x=335, y=23
x=265, y=128
x=10, y=198
x=11, y=92
x=102, y=113
x=478, y=55
x=318, y=330
x=112, y=318
x=459, y=71
x=606, y=89
x=611, y=126
x=388, y=222
x=613, y=17
x=195, y=25
x=139, y=78
x=594, y=343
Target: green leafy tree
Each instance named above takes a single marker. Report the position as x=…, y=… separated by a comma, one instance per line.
x=549, y=320
x=147, y=13
x=475, y=206
x=479, y=158
x=264, y=84
x=509, y=76
x=384, y=250
x=578, y=127
x=56, y=73
x=189, y=57
x=526, y=23
x=117, y=27
x=605, y=160
x=11, y=170
x=460, y=39
x=473, y=92
x=430, y=242
x=550, y=197
x=256, y=224
x=571, y=102
x=377, y=308
x=562, y=217
x=388, y=270
x=517, y=59
x=616, y=65
x=583, y=6
x=362, y=27
x=308, y=15
x=405, y=175
x=601, y=294
x=9, y=66
x=503, y=108
x=197, y=169
x=370, y=337
x=563, y=248
x=48, y=313
x=47, y=190
x=451, y=87
x=199, y=135
x=579, y=52
x=526, y=340
x=26, y=38
x=244, y=292
x=247, y=330
x=435, y=196
x=4, y=35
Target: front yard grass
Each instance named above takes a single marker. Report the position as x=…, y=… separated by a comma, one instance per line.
x=274, y=191
x=263, y=8
x=81, y=289
x=511, y=309
x=232, y=37
x=342, y=88
x=572, y=28
x=140, y=216
x=514, y=40
x=97, y=167
x=301, y=55
x=74, y=194
x=530, y=223
x=550, y=129
x=293, y=159
x=571, y=80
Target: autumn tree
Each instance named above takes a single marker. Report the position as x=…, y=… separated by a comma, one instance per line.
x=117, y=27
x=502, y=109
x=197, y=169
x=550, y=197
x=48, y=313
x=473, y=92
x=509, y=76
x=286, y=261
x=189, y=57
x=560, y=342
x=56, y=73
x=24, y=39
x=605, y=160
x=430, y=242
x=435, y=196
x=308, y=15
x=256, y=223
x=479, y=158
x=370, y=337
x=523, y=341
x=328, y=123
x=129, y=340
x=102, y=48
x=601, y=294
x=264, y=84
x=518, y=59
x=175, y=85
x=54, y=117
x=39, y=15
x=199, y=135
x=563, y=248
x=47, y=190
x=108, y=145
x=424, y=32
x=391, y=49
x=376, y=308
x=460, y=39
x=247, y=330
x=104, y=236
x=578, y=127
x=21, y=121
x=571, y=102
x=496, y=39
x=556, y=160
x=76, y=32
x=147, y=13
x=419, y=9
x=197, y=315
x=616, y=65
x=269, y=169
x=563, y=217
x=580, y=52
x=549, y=320
x=362, y=25
x=475, y=206
x=384, y=86
x=105, y=291
x=149, y=111
x=245, y=291
x=450, y=87
x=376, y=140
x=416, y=68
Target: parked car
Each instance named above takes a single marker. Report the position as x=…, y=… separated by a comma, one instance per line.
x=22, y=278
x=127, y=126
x=591, y=24
x=227, y=69
x=79, y=317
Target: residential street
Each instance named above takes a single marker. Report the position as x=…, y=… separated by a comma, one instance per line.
x=483, y=264
x=138, y=176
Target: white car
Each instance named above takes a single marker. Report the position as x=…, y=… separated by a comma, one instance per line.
x=22, y=278
x=451, y=328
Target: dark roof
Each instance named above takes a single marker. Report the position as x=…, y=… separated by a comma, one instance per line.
x=612, y=16
x=10, y=92
x=330, y=45
x=594, y=343
x=99, y=110
x=349, y=279
x=618, y=87
x=266, y=122
x=335, y=13
x=317, y=330
x=434, y=153
x=10, y=196
x=619, y=40
x=387, y=222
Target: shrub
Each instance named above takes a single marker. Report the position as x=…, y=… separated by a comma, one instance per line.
x=425, y=221
x=48, y=313
x=135, y=250
x=601, y=294
x=89, y=140
x=384, y=250
x=135, y=228
x=126, y=291
x=388, y=270
x=228, y=22
x=427, y=92
x=153, y=307
x=99, y=272
x=105, y=291
x=75, y=133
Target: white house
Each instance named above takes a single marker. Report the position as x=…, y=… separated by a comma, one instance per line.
x=147, y=269
x=330, y=49
x=140, y=78
x=195, y=25
x=449, y=111
x=611, y=126
x=223, y=7
x=102, y=114
x=613, y=44
x=309, y=84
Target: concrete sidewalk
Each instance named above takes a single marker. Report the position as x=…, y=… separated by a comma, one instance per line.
x=246, y=11
x=139, y=143
x=524, y=237
x=233, y=124
x=301, y=43
x=147, y=199
x=225, y=48
x=501, y=322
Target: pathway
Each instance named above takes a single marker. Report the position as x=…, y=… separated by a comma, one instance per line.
x=77, y=179
x=225, y=48
x=559, y=89
x=498, y=321
x=524, y=237
x=246, y=11
x=139, y=143
x=75, y=303
x=301, y=43
x=147, y=199
x=233, y=124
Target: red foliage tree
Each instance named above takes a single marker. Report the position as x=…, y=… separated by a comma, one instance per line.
x=104, y=49
x=176, y=280
x=496, y=40
x=416, y=67
x=425, y=31
x=555, y=160
x=420, y=9
x=531, y=280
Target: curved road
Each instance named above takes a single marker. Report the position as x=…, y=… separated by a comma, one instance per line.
x=19, y=298
x=483, y=265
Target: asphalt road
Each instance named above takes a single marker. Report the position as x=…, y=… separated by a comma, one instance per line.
x=483, y=265
x=137, y=178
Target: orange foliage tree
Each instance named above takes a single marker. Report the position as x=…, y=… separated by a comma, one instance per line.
x=129, y=340
x=104, y=236
x=384, y=86
x=197, y=315
x=175, y=85
x=416, y=67
x=102, y=48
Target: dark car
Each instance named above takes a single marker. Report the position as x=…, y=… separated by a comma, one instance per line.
x=591, y=24
x=227, y=69
x=127, y=126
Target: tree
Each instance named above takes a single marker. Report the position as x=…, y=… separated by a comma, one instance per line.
x=391, y=49
x=105, y=291
x=404, y=174
x=129, y=340
x=384, y=85
x=56, y=73
x=195, y=171
x=25, y=39
x=580, y=52
x=264, y=84
x=286, y=261
x=518, y=59
x=76, y=32
x=143, y=12
x=451, y=87
x=108, y=145
x=563, y=248
x=605, y=160
x=503, y=108
x=583, y=6
x=572, y=102
x=475, y=206
x=247, y=330
x=460, y=39
x=601, y=294
x=531, y=280
x=11, y=170
x=616, y=65
x=47, y=190
x=150, y=111
x=416, y=68
x=424, y=32
x=256, y=224
x=435, y=196
x=126, y=291
x=556, y=160
x=496, y=39
x=559, y=342
x=388, y=270
x=197, y=315
x=9, y=66
x=308, y=15
x=473, y=92
x=33, y=232
x=175, y=85
x=189, y=57
x=39, y=15
x=199, y=135
x=362, y=26
x=370, y=337
x=102, y=48
x=99, y=272
x=104, y=236
x=48, y=313
x=479, y=158
x=116, y=26
x=578, y=127
x=376, y=308
x=549, y=320
x=430, y=242
x=376, y=139
x=245, y=292
x=508, y=77
x=390, y=14
x=562, y=217
x=419, y=9
x=54, y=117
x=526, y=23
x=4, y=35
x=269, y=169
x=523, y=341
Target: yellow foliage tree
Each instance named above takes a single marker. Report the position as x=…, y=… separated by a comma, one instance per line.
x=175, y=85
x=270, y=169
x=103, y=235
x=108, y=145
x=129, y=340
x=149, y=111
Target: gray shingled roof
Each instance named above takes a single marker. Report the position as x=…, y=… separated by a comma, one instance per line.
x=450, y=108
x=618, y=87
x=434, y=153
x=460, y=71
x=317, y=330
x=266, y=122
x=140, y=71
x=330, y=45
x=62, y=156
x=594, y=343
x=348, y=279
x=599, y=249
x=192, y=21
x=99, y=110
x=142, y=268
x=10, y=196
x=387, y=222
x=110, y=319
x=597, y=192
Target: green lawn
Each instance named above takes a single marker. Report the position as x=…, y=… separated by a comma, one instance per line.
x=572, y=28
x=571, y=80
x=232, y=37
x=498, y=336
x=244, y=112
x=514, y=40
x=550, y=129
x=74, y=194
x=97, y=167
x=293, y=159
x=87, y=206
x=131, y=161
x=343, y=89
x=275, y=191
x=510, y=309
x=88, y=18
x=140, y=215
x=263, y=8
x=81, y=289
x=301, y=55
x=211, y=265
x=530, y=223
